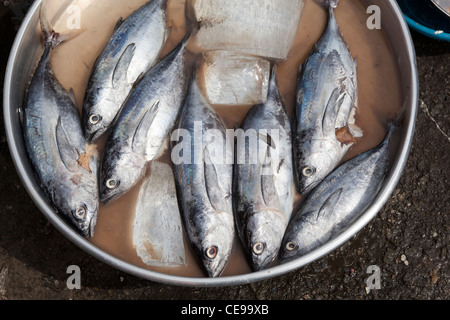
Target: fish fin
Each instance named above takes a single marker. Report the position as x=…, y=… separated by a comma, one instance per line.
x=268, y=192
x=121, y=69
x=118, y=24
x=211, y=177
x=331, y=110
x=167, y=33
x=46, y=26
x=140, y=134
x=68, y=154
x=267, y=138
x=139, y=78
x=71, y=95
x=213, y=182
x=355, y=131
x=329, y=204
x=394, y=124
x=52, y=38
x=355, y=73
x=355, y=85
x=333, y=3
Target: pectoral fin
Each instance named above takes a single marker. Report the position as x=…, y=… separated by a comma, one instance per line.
x=139, y=141
x=331, y=110
x=329, y=204
x=68, y=154
x=121, y=69
x=218, y=193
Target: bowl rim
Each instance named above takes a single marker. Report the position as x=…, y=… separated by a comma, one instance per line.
x=231, y=280
x=429, y=32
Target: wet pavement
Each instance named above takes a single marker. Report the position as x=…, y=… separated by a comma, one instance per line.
x=408, y=240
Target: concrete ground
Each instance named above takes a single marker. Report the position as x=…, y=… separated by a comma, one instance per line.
x=408, y=240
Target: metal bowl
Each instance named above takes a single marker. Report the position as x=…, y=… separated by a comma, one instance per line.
x=22, y=62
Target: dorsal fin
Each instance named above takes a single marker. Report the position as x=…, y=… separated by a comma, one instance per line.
x=118, y=24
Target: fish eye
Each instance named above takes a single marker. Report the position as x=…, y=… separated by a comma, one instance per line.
x=112, y=183
x=291, y=245
x=94, y=119
x=308, y=171
x=258, y=248
x=212, y=252
x=80, y=213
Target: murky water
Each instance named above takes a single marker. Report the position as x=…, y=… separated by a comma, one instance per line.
x=379, y=95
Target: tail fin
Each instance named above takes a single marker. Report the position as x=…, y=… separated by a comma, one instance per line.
x=333, y=4
x=51, y=38
x=393, y=124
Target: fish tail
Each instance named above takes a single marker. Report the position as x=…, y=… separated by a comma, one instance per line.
x=398, y=119
x=393, y=124
x=164, y=4
x=333, y=4
x=52, y=38
x=332, y=23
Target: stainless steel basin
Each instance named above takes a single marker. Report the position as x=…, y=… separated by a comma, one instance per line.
x=21, y=64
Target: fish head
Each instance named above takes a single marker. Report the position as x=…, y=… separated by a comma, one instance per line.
x=83, y=209
x=316, y=159
x=97, y=114
x=290, y=247
x=215, y=241
x=265, y=230
x=301, y=237
x=119, y=175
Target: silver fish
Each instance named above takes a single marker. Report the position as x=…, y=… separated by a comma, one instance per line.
x=148, y=116
x=204, y=182
x=133, y=48
x=264, y=188
x=337, y=201
x=55, y=144
x=326, y=103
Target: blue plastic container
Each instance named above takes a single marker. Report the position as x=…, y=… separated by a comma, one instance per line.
x=424, y=17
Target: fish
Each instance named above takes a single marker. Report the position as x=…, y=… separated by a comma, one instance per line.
x=54, y=142
x=140, y=133
x=204, y=181
x=264, y=187
x=326, y=104
x=337, y=201
x=133, y=48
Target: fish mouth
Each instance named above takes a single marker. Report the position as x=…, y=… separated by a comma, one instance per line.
x=92, y=227
x=259, y=263
x=216, y=271
x=286, y=256
x=214, y=268
x=106, y=199
x=87, y=230
x=90, y=137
